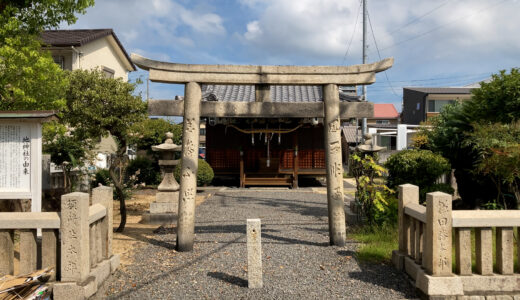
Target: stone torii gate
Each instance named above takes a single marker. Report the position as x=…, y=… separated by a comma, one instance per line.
x=192, y=109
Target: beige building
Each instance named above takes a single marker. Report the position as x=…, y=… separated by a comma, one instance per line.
x=89, y=49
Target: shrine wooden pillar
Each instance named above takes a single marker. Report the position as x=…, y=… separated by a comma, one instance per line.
x=296, y=163
x=189, y=166
x=334, y=166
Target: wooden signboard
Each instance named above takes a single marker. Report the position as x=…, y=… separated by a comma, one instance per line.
x=21, y=156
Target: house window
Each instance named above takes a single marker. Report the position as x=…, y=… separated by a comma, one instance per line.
x=383, y=122
x=60, y=60
x=109, y=73
x=438, y=105
x=203, y=131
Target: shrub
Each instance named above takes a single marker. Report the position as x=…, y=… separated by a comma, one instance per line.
x=102, y=176
x=371, y=195
x=419, y=167
x=149, y=171
x=388, y=216
x=204, y=174
x=438, y=187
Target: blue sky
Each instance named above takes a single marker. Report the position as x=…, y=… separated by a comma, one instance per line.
x=434, y=43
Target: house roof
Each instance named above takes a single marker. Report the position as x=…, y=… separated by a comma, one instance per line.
x=279, y=93
x=441, y=90
x=477, y=84
x=385, y=111
x=43, y=115
x=349, y=132
x=80, y=37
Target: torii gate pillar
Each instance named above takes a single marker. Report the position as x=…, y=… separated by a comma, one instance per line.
x=189, y=166
x=332, y=128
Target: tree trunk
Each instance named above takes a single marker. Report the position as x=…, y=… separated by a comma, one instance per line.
x=516, y=191
x=122, y=210
x=117, y=180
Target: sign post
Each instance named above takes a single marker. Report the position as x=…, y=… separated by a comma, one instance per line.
x=21, y=155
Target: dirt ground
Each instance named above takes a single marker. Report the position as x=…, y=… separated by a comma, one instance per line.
x=136, y=234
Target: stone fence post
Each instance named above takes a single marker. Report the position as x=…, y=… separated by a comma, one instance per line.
x=104, y=195
x=74, y=228
x=408, y=193
x=437, y=249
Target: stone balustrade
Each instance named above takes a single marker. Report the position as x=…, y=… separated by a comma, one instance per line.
x=431, y=236
x=77, y=243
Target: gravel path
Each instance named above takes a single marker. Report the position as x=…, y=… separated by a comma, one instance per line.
x=297, y=259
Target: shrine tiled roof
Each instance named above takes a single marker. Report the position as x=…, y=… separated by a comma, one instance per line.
x=351, y=133
x=279, y=93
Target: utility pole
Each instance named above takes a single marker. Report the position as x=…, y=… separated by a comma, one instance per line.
x=148, y=88
x=364, y=122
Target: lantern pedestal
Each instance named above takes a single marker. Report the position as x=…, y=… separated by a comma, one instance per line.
x=165, y=207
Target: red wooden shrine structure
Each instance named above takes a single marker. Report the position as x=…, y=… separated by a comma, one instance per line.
x=266, y=158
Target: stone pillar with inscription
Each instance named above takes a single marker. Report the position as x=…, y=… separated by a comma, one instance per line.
x=189, y=166
x=438, y=234
x=75, y=261
x=331, y=125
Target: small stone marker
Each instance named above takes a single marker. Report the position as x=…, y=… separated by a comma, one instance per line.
x=254, y=254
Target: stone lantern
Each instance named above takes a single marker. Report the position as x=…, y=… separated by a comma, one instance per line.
x=167, y=163
x=165, y=206
x=368, y=146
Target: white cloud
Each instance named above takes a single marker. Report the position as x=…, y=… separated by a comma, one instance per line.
x=460, y=37
x=323, y=28
x=156, y=23
x=202, y=22
x=253, y=31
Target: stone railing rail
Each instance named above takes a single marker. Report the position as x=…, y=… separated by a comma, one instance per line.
x=428, y=235
x=77, y=243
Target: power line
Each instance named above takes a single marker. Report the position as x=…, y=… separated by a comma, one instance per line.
x=420, y=17
x=451, y=84
x=433, y=80
x=442, y=26
x=353, y=33
x=443, y=78
x=378, y=53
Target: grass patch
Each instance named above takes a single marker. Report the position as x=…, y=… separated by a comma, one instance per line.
x=377, y=243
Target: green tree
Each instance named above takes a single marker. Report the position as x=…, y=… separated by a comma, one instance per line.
x=67, y=148
x=100, y=106
x=36, y=15
x=29, y=78
x=498, y=146
x=495, y=102
x=151, y=132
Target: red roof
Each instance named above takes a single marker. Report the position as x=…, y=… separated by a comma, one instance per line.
x=385, y=111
